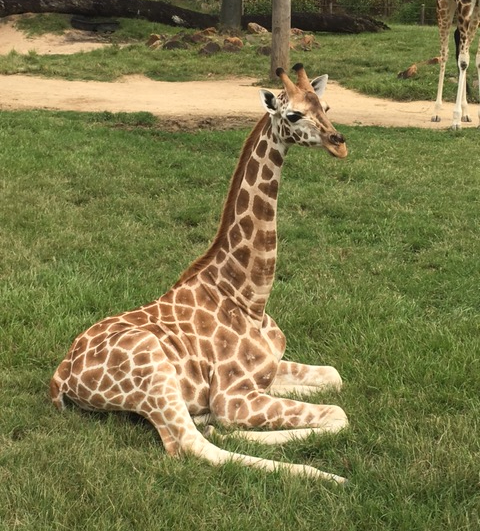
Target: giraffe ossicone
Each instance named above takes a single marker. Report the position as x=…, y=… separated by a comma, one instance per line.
x=468, y=19
x=207, y=348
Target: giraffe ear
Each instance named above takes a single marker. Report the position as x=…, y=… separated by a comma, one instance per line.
x=269, y=101
x=319, y=85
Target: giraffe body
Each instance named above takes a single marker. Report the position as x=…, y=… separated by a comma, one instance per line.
x=206, y=348
x=468, y=19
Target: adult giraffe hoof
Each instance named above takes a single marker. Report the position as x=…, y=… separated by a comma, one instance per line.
x=456, y=127
x=466, y=118
x=436, y=118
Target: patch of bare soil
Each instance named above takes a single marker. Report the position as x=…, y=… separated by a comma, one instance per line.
x=220, y=104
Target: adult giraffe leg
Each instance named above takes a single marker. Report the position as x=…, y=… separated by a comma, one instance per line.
x=473, y=28
x=477, y=62
x=460, y=110
x=445, y=19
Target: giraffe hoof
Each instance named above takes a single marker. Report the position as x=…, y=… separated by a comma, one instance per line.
x=456, y=127
x=466, y=118
x=436, y=118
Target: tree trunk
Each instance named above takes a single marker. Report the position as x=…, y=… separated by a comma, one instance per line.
x=157, y=11
x=280, y=35
x=231, y=14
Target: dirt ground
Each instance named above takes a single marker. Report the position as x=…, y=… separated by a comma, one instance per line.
x=219, y=104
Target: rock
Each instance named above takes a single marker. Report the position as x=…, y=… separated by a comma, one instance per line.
x=209, y=31
x=229, y=47
x=175, y=45
x=197, y=38
x=233, y=41
x=256, y=28
x=264, y=50
x=409, y=72
x=307, y=43
x=210, y=48
x=154, y=38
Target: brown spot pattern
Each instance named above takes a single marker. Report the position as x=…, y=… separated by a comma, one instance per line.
x=242, y=202
x=262, y=209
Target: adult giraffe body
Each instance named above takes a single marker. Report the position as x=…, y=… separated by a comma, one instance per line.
x=207, y=347
x=468, y=18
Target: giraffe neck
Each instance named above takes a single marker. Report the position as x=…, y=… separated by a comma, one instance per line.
x=241, y=260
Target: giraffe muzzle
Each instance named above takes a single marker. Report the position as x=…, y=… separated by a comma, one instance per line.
x=337, y=146
x=337, y=139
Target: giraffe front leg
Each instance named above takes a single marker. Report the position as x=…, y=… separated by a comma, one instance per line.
x=441, y=78
x=460, y=110
x=304, y=379
x=266, y=411
x=259, y=410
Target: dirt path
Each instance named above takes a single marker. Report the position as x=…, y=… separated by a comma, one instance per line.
x=227, y=102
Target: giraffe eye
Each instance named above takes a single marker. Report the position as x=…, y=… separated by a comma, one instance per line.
x=294, y=116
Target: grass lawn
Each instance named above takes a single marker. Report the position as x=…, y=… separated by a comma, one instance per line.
x=377, y=275
x=368, y=62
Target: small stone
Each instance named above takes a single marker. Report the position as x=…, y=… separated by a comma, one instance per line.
x=154, y=38
x=197, y=38
x=233, y=41
x=175, y=45
x=307, y=43
x=264, y=50
x=409, y=72
x=229, y=47
x=209, y=31
x=255, y=28
x=210, y=48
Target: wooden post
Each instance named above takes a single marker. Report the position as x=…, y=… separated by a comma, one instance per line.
x=281, y=20
x=422, y=14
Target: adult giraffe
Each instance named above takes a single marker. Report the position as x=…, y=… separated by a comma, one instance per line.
x=468, y=18
x=207, y=347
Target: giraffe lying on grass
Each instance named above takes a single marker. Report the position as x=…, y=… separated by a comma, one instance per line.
x=207, y=349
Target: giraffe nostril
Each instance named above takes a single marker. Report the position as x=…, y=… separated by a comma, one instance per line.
x=337, y=138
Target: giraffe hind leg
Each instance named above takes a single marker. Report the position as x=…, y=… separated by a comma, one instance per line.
x=270, y=437
x=56, y=394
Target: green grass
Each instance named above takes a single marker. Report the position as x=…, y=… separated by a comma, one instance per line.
x=377, y=274
x=368, y=62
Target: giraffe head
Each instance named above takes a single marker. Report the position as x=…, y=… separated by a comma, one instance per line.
x=300, y=116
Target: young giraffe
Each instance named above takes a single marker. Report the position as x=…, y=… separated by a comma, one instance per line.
x=468, y=18
x=207, y=348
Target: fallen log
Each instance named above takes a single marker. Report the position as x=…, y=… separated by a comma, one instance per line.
x=156, y=11
x=317, y=22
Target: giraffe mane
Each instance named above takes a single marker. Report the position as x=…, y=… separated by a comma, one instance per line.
x=229, y=206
